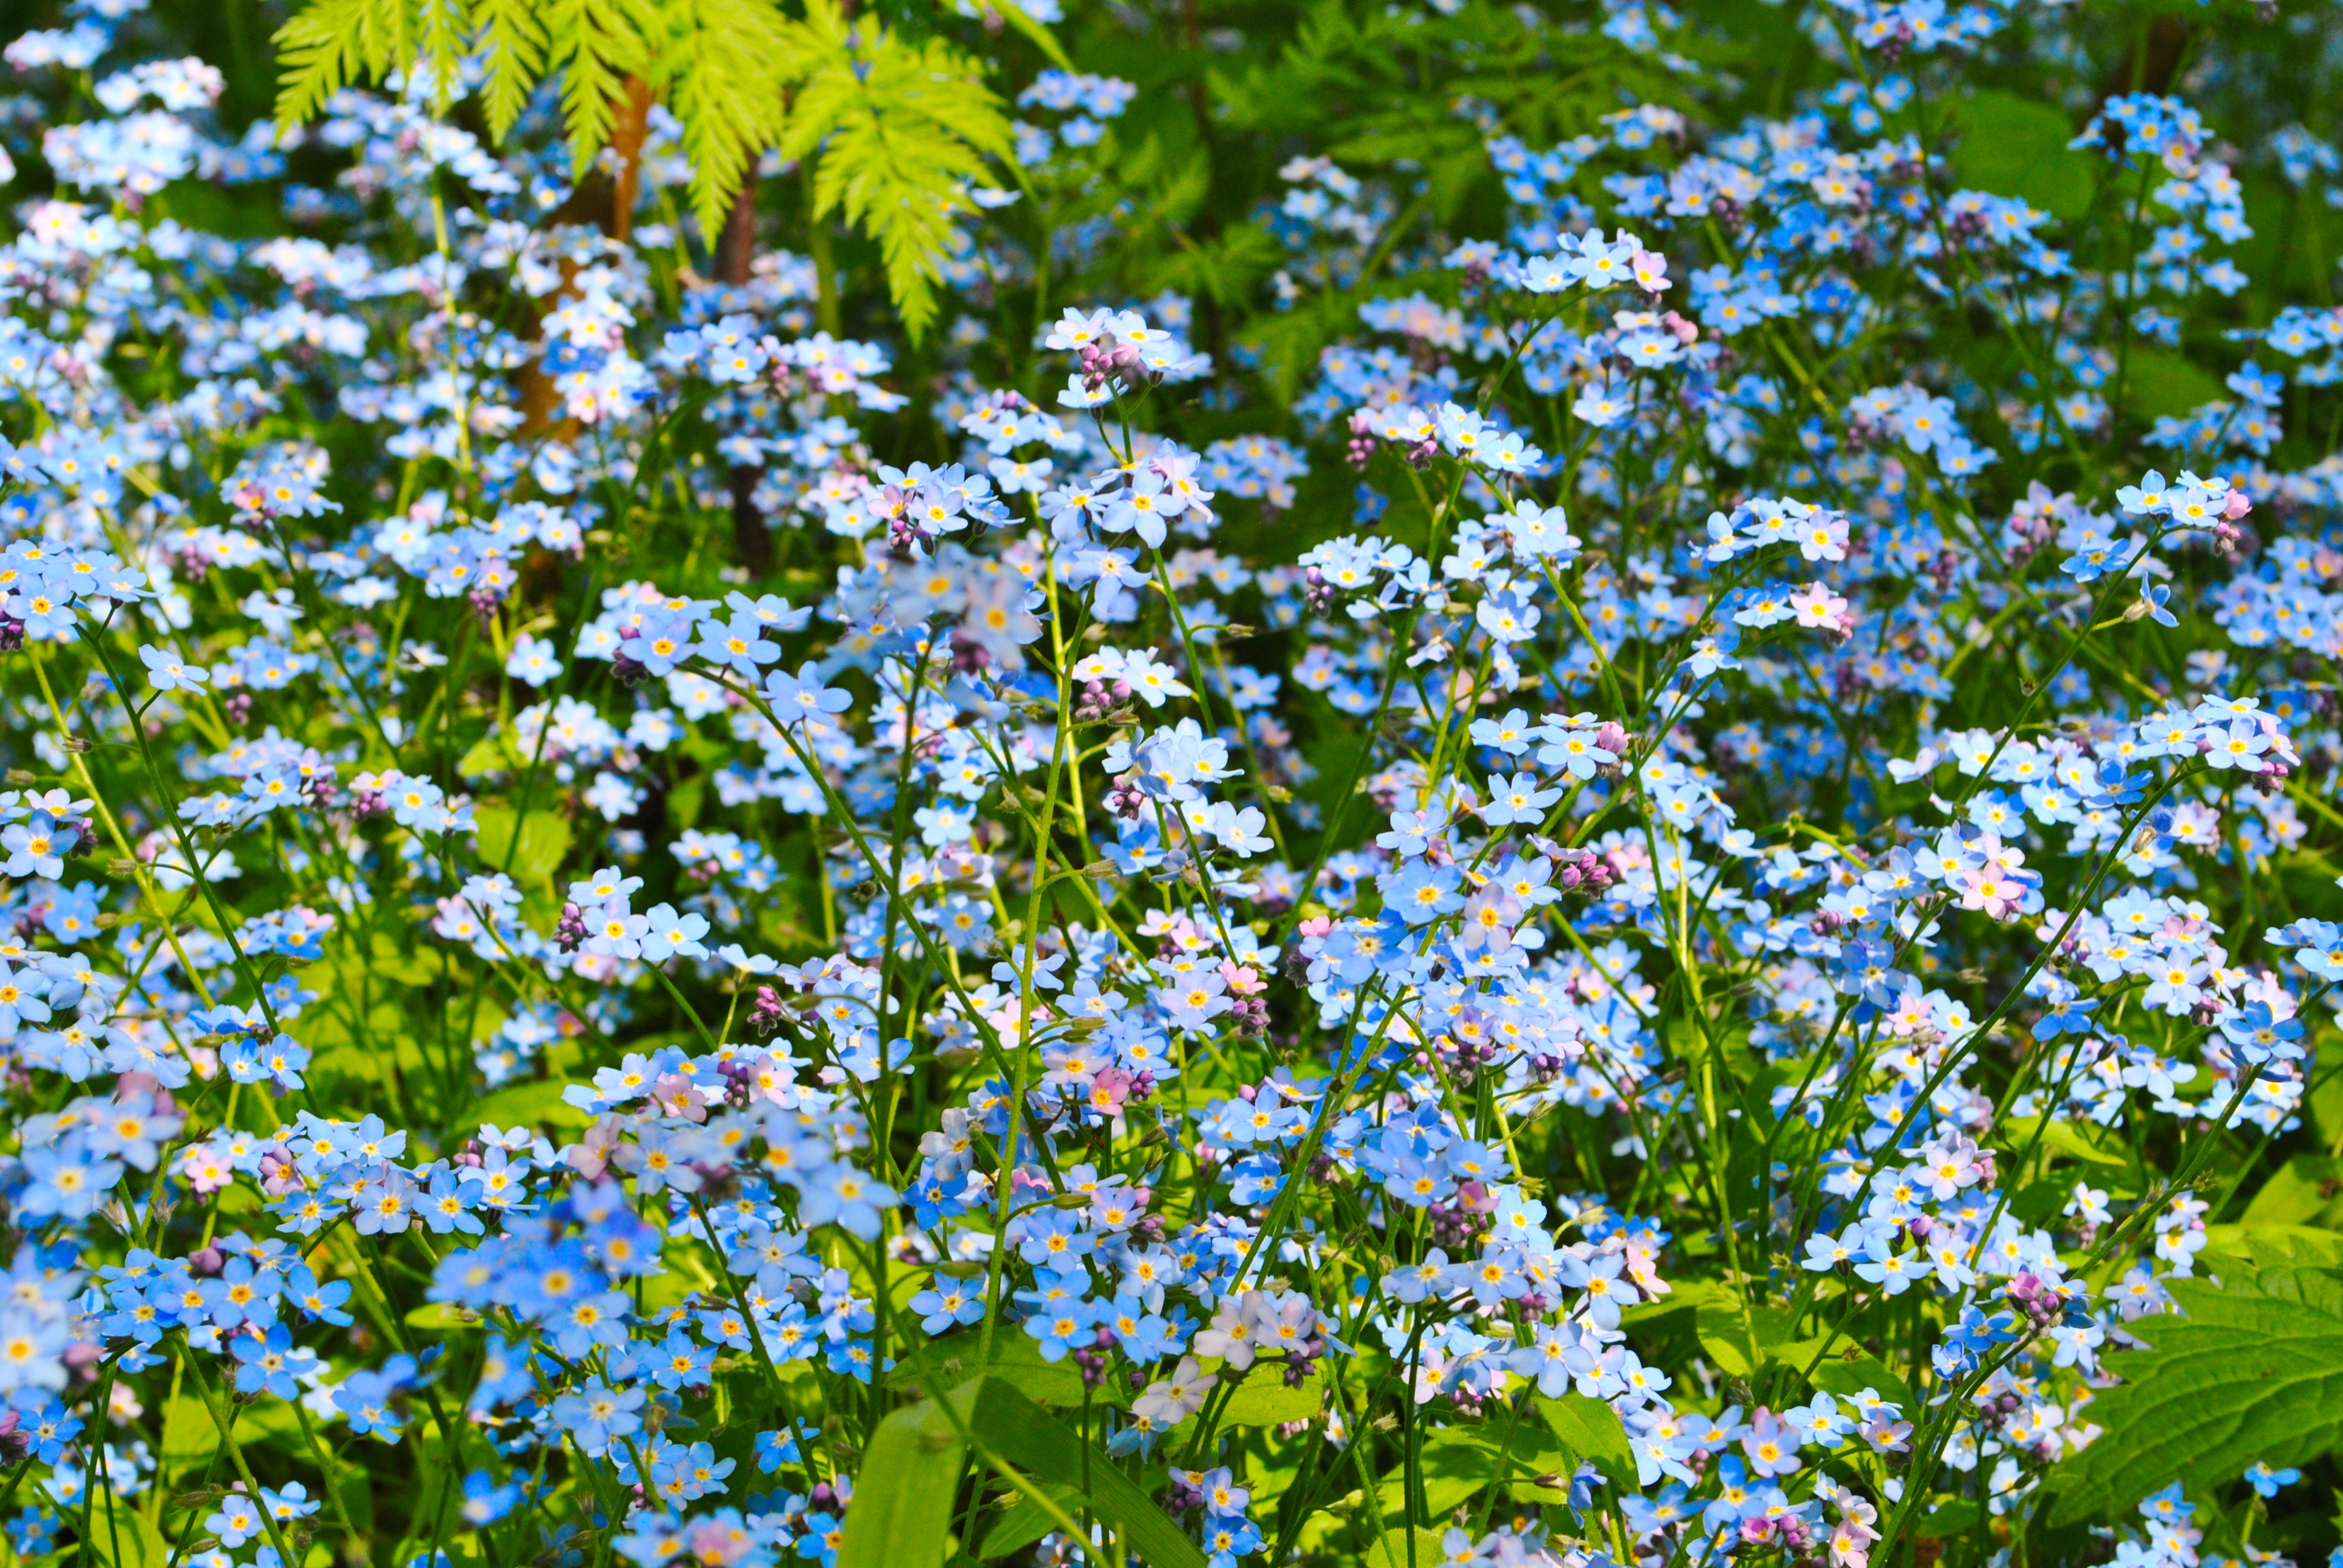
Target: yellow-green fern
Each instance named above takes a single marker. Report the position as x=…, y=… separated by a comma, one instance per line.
x=893, y=130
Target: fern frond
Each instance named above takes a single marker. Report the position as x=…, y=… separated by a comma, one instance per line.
x=332, y=43
x=513, y=40
x=596, y=44
x=1041, y=37
x=725, y=65
x=899, y=127
x=445, y=33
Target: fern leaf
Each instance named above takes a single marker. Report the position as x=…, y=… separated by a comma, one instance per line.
x=899, y=129
x=320, y=50
x=725, y=64
x=445, y=33
x=513, y=41
x=1041, y=37
x=387, y=39
x=596, y=44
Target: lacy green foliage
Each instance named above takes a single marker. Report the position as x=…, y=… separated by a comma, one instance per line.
x=897, y=127
x=1380, y=89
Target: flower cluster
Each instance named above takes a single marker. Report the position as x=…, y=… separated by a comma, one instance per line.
x=1634, y=867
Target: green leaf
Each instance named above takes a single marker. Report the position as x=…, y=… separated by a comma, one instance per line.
x=1954, y=1518
x=2260, y=1245
x=490, y=753
x=1738, y=1336
x=1590, y=1429
x=2015, y=146
x=1042, y=38
x=1026, y=1522
x=895, y=1527
x=2253, y=1371
x=512, y=43
x=333, y=43
x=2160, y=382
x=1391, y=1551
x=594, y=46
x=1019, y=1431
x=190, y=1438
x=725, y=65
x=899, y=127
x=543, y=840
x=909, y=1479
x=1015, y=1356
x=1263, y=1399
x=440, y=1316
x=1853, y=1370
x=528, y=1105
x=2302, y=1192
x=121, y=1537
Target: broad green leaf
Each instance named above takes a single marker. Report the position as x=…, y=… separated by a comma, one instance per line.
x=1737, y=1336
x=1015, y=1429
x=2258, y=1246
x=120, y=1537
x=1852, y=1369
x=440, y=1316
x=1263, y=1399
x=2254, y=1371
x=2302, y=1192
x=1015, y=1355
x=1459, y=1461
x=896, y=1524
x=528, y=1104
x=190, y=1438
x=543, y=840
x=1590, y=1429
x=1953, y=1518
x=906, y=1487
x=489, y=754
x=2015, y=146
x=2160, y=382
x=1025, y=1522
x=1393, y=1550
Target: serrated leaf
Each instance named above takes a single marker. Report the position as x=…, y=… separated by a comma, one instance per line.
x=898, y=127
x=2254, y=1371
x=725, y=65
x=2258, y=1244
x=1017, y=17
x=594, y=46
x=443, y=37
x=512, y=44
x=333, y=43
